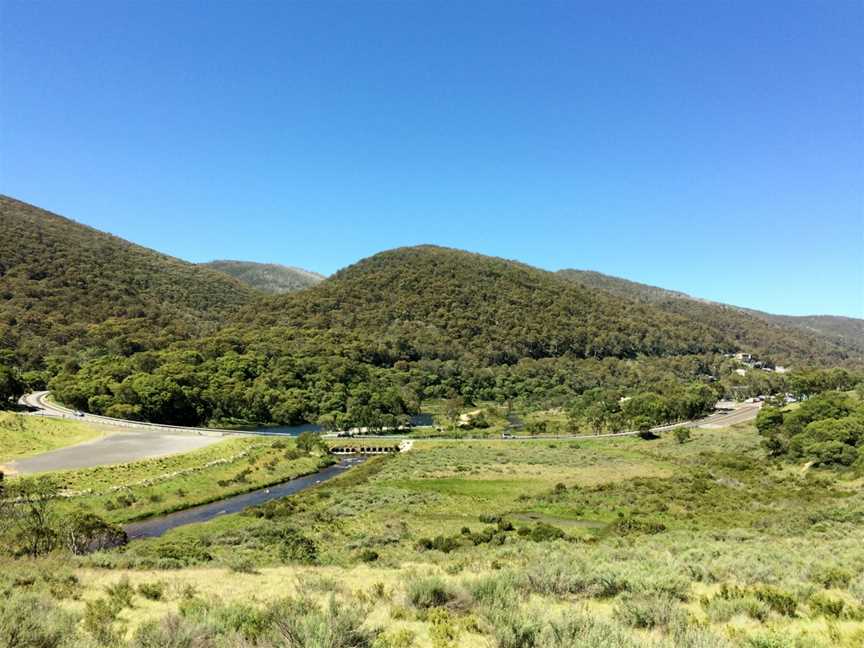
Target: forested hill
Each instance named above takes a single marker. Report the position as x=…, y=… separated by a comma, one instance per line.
x=809, y=340
x=431, y=302
x=846, y=330
x=270, y=278
x=66, y=287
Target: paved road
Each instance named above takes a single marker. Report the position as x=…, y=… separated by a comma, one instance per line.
x=117, y=448
x=149, y=440
x=126, y=441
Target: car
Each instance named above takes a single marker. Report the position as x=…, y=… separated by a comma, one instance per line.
x=78, y=413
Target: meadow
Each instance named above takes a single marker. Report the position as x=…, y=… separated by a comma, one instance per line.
x=608, y=542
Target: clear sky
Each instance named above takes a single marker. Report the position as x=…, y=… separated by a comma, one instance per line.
x=711, y=147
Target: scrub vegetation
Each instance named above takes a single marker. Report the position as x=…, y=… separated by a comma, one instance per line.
x=621, y=542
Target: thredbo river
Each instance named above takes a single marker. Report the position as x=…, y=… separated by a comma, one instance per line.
x=156, y=526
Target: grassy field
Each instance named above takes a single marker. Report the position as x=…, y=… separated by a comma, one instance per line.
x=505, y=544
x=140, y=489
x=24, y=436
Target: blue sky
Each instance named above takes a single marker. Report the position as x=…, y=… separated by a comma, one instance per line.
x=715, y=148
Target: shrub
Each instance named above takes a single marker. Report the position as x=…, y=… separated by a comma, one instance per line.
x=512, y=628
x=720, y=610
x=640, y=611
x=120, y=594
x=778, y=600
x=172, y=631
x=368, y=555
x=682, y=435
x=100, y=616
x=242, y=565
x=505, y=525
x=31, y=620
x=582, y=631
x=545, y=532
x=628, y=525
x=823, y=605
x=429, y=592
x=497, y=589
x=248, y=621
x=154, y=591
x=297, y=548
x=403, y=638
x=490, y=519
x=442, y=631
x=832, y=576
x=302, y=624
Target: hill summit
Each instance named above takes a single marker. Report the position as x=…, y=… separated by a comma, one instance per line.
x=270, y=278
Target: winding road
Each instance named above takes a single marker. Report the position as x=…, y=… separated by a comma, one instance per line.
x=135, y=440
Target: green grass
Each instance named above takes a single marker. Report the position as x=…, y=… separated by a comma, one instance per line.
x=706, y=544
x=141, y=489
x=23, y=436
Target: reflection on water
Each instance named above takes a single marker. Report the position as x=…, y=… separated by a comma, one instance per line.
x=420, y=420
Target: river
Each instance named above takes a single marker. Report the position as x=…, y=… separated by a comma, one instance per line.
x=156, y=526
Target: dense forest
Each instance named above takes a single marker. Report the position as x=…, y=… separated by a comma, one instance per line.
x=269, y=278
x=428, y=302
x=820, y=340
x=66, y=288
x=117, y=329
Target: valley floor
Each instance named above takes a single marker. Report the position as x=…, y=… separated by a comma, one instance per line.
x=602, y=543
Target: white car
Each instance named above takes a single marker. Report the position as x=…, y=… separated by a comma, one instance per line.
x=78, y=413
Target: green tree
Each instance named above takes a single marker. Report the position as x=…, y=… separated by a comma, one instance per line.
x=27, y=516
x=11, y=386
x=309, y=442
x=682, y=435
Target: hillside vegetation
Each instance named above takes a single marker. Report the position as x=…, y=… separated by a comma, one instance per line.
x=369, y=345
x=785, y=339
x=270, y=278
x=431, y=302
x=65, y=287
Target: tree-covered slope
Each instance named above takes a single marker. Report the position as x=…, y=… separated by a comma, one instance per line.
x=67, y=287
x=270, y=278
x=431, y=302
x=785, y=339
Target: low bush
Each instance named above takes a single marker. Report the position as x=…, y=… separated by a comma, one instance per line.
x=303, y=624
x=101, y=621
x=430, y=592
x=172, y=631
x=154, y=591
x=582, y=631
x=647, y=612
x=121, y=593
x=828, y=606
x=294, y=547
x=403, y=638
x=32, y=620
x=720, y=610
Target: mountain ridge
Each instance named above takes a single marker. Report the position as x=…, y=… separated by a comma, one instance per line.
x=64, y=284
x=270, y=278
x=845, y=334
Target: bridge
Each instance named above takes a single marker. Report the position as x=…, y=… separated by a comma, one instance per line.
x=371, y=448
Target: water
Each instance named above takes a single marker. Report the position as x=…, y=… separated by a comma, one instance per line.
x=156, y=526
x=420, y=420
